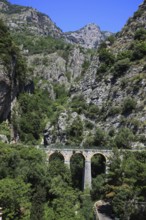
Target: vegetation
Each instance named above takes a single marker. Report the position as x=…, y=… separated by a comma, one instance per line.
x=124, y=138
x=10, y=57
x=121, y=66
x=129, y=104
x=34, y=110
x=106, y=57
x=140, y=34
x=41, y=44
x=32, y=189
x=126, y=188
x=75, y=132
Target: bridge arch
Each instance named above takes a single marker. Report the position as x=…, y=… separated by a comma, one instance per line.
x=98, y=164
x=56, y=156
x=87, y=154
x=77, y=167
x=101, y=154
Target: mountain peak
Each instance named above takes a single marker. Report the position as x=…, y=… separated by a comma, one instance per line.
x=91, y=26
x=89, y=36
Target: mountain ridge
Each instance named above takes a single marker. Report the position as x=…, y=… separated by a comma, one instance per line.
x=89, y=36
x=85, y=93
x=21, y=18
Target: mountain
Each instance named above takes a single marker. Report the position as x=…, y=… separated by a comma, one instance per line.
x=81, y=96
x=89, y=36
x=27, y=19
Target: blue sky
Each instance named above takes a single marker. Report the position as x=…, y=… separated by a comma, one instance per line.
x=70, y=15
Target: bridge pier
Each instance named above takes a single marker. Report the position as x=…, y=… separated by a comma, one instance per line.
x=67, y=162
x=107, y=167
x=87, y=175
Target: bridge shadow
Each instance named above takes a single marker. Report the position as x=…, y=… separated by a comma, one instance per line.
x=77, y=166
x=106, y=209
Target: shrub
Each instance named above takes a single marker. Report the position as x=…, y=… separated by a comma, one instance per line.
x=89, y=142
x=5, y=129
x=111, y=39
x=114, y=110
x=85, y=66
x=124, y=138
x=138, y=13
x=124, y=82
x=106, y=56
x=75, y=132
x=100, y=137
x=102, y=68
x=78, y=104
x=89, y=125
x=121, y=66
x=60, y=92
x=124, y=54
x=92, y=111
x=140, y=34
x=138, y=50
x=128, y=105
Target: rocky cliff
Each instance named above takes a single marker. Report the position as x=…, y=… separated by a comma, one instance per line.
x=89, y=36
x=12, y=72
x=29, y=20
x=87, y=97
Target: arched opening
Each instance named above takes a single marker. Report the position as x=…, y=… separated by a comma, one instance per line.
x=98, y=165
x=56, y=156
x=58, y=171
x=77, y=164
x=98, y=168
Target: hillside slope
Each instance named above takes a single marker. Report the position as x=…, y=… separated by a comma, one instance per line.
x=85, y=97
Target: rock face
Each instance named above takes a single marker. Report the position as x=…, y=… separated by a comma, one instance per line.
x=110, y=92
x=89, y=36
x=5, y=94
x=29, y=20
x=126, y=35
x=102, y=92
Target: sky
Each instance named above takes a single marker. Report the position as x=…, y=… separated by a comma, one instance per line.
x=71, y=15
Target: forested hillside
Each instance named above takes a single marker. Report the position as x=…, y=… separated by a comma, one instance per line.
x=32, y=189
x=79, y=96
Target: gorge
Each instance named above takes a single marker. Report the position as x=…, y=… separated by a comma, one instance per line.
x=85, y=88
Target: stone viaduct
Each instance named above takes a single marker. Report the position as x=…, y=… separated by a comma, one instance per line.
x=87, y=154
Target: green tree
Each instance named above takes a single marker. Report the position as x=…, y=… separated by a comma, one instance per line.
x=121, y=66
x=140, y=34
x=87, y=205
x=75, y=131
x=77, y=171
x=124, y=138
x=106, y=57
x=15, y=199
x=128, y=105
